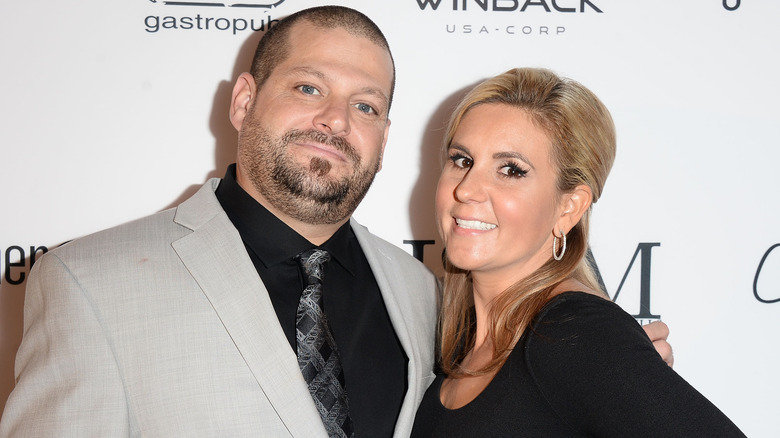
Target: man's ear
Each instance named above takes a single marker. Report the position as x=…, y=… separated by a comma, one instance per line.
x=243, y=97
x=573, y=205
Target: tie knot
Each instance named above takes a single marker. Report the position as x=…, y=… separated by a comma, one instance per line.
x=312, y=262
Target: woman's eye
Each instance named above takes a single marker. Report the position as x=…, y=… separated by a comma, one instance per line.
x=308, y=89
x=461, y=161
x=365, y=108
x=512, y=170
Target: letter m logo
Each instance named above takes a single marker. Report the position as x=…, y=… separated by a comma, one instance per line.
x=644, y=252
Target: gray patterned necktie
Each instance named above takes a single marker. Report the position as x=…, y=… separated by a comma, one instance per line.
x=318, y=356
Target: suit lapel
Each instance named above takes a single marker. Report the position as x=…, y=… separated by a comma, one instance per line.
x=390, y=278
x=214, y=254
x=384, y=272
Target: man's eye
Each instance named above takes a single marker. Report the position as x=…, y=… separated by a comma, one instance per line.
x=308, y=89
x=365, y=108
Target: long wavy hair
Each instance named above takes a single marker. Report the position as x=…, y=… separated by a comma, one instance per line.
x=582, y=137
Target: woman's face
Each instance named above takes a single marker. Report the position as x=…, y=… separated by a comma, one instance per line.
x=497, y=202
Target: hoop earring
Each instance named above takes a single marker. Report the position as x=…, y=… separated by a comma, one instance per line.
x=558, y=257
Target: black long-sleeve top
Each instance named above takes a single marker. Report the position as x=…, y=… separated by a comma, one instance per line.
x=585, y=369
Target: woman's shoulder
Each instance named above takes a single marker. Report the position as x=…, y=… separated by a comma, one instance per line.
x=576, y=299
x=575, y=324
x=575, y=304
x=590, y=360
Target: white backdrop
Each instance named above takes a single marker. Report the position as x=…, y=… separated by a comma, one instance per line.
x=114, y=110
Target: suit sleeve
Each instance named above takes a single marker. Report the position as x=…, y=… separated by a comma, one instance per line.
x=67, y=380
x=600, y=373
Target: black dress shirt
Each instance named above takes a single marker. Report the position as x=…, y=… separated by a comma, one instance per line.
x=372, y=357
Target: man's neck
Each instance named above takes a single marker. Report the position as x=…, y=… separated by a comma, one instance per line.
x=314, y=233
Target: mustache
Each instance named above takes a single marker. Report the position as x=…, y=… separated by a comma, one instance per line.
x=314, y=135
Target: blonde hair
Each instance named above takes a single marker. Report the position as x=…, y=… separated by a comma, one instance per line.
x=582, y=137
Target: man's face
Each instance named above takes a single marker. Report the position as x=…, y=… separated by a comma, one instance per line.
x=312, y=139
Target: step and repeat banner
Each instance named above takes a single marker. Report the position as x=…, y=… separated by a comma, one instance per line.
x=114, y=110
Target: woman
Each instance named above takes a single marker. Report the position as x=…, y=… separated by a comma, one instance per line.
x=530, y=344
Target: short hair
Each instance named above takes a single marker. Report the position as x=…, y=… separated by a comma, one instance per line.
x=582, y=150
x=273, y=47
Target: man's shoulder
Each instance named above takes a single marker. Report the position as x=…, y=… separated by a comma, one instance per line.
x=155, y=229
x=135, y=232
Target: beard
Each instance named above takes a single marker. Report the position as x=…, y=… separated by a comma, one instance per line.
x=306, y=193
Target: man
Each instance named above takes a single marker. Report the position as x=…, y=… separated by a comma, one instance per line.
x=184, y=323
x=162, y=327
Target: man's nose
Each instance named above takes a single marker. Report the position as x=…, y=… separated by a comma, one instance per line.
x=333, y=117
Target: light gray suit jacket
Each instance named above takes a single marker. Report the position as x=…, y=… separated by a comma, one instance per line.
x=162, y=328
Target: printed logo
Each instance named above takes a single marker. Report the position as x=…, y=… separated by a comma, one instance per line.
x=418, y=247
x=513, y=5
x=644, y=252
x=770, y=277
x=17, y=262
x=498, y=9
x=734, y=7
x=245, y=4
x=200, y=21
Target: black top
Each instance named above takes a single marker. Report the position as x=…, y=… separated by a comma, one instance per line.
x=374, y=361
x=586, y=369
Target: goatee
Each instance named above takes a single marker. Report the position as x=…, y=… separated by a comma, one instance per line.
x=306, y=193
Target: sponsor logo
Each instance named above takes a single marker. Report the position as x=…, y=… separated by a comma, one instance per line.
x=189, y=16
x=418, y=247
x=565, y=6
x=500, y=9
x=505, y=30
x=243, y=4
x=644, y=252
x=770, y=276
x=732, y=5
x=16, y=262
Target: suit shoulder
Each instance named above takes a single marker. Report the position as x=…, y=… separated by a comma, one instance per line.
x=155, y=229
x=132, y=232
